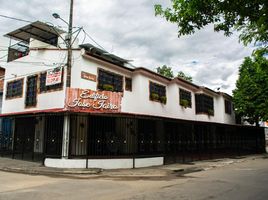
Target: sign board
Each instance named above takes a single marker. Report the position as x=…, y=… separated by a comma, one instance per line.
x=54, y=76
x=84, y=100
x=88, y=76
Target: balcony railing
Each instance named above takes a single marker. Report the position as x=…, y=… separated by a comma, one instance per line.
x=17, y=51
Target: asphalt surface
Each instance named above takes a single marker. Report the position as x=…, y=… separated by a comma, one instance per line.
x=36, y=168
x=243, y=178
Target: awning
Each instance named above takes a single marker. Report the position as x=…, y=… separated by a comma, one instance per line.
x=37, y=30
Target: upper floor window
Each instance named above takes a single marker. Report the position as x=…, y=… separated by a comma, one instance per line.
x=185, y=98
x=31, y=91
x=204, y=104
x=228, y=107
x=110, y=81
x=128, y=84
x=47, y=88
x=158, y=92
x=14, y=89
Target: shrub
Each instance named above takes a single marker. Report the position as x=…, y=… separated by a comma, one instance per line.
x=184, y=103
x=154, y=96
x=210, y=112
x=108, y=87
x=163, y=99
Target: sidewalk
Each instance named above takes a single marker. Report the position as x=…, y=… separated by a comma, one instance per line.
x=36, y=168
x=33, y=168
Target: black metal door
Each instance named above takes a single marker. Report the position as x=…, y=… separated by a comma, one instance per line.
x=24, y=138
x=53, y=135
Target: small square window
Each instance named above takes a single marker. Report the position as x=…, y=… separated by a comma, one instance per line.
x=14, y=89
x=185, y=98
x=110, y=81
x=128, y=84
x=228, y=107
x=158, y=92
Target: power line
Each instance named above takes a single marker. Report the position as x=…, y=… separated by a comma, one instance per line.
x=14, y=18
x=92, y=39
x=34, y=63
x=24, y=75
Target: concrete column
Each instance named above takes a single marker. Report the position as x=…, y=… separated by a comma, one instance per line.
x=66, y=134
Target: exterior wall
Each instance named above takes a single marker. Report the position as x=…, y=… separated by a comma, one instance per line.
x=124, y=163
x=34, y=63
x=227, y=118
x=136, y=102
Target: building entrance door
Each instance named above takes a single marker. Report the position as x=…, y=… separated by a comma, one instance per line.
x=24, y=138
x=53, y=135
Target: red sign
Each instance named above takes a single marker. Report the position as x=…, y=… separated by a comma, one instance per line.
x=83, y=100
x=88, y=76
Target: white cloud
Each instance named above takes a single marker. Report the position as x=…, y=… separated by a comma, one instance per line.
x=130, y=30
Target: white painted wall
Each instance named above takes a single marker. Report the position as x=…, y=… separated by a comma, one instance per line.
x=34, y=63
x=148, y=162
x=65, y=163
x=124, y=163
x=136, y=102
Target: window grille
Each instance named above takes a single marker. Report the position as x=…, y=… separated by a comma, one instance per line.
x=128, y=84
x=204, y=104
x=31, y=91
x=110, y=81
x=157, y=92
x=228, y=107
x=185, y=96
x=14, y=89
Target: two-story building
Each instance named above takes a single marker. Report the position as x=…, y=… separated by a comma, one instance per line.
x=113, y=115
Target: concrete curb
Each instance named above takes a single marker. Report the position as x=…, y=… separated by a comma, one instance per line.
x=52, y=172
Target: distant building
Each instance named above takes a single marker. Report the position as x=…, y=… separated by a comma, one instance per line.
x=114, y=115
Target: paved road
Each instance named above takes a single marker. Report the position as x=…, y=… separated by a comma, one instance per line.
x=245, y=180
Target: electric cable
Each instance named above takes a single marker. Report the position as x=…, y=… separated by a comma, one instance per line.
x=14, y=18
x=93, y=40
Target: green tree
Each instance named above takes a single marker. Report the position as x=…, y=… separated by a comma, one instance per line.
x=184, y=76
x=165, y=71
x=251, y=94
x=248, y=17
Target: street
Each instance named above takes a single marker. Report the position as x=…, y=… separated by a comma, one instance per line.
x=241, y=180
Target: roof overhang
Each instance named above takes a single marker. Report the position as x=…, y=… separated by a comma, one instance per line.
x=37, y=30
x=104, y=55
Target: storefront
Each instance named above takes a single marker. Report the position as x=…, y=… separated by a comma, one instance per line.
x=100, y=135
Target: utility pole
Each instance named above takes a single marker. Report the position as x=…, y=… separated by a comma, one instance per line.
x=66, y=126
x=69, y=53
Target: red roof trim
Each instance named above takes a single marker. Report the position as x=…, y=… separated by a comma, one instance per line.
x=54, y=110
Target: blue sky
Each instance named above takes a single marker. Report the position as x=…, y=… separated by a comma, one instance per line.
x=130, y=30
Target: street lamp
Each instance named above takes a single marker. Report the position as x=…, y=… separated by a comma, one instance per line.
x=57, y=16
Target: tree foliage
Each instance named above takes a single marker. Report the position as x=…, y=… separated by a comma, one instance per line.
x=251, y=94
x=249, y=17
x=184, y=76
x=167, y=72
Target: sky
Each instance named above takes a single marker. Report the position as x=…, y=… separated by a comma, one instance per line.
x=130, y=29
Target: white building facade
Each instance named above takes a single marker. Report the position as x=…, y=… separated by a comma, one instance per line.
x=113, y=115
